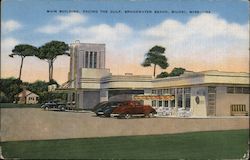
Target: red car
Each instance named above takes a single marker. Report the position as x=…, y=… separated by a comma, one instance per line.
x=133, y=108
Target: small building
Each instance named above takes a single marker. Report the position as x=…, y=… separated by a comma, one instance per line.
x=26, y=97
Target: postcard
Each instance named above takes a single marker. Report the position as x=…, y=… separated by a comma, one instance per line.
x=127, y=79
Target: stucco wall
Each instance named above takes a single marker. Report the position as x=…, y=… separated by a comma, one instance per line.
x=224, y=100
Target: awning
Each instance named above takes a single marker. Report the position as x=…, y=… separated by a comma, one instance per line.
x=154, y=97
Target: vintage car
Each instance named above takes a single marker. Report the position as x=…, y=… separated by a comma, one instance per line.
x=105, y=109
x=133, y=108
x=53, y=105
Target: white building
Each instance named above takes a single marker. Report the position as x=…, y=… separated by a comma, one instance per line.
x=208, y=93
x=26, y=97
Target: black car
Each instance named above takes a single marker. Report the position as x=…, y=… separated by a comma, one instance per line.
x=53, y=105
x=106, y=108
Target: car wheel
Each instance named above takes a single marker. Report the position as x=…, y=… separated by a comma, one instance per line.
x=151, y=115
x=127, y=116
x=62, y=108
x=46, y=108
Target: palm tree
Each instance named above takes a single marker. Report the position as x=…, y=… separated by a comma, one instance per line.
x=49, y=51
x=155, y=57
x=23, y=50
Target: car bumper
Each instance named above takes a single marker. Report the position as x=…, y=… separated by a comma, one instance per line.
x=114, y=115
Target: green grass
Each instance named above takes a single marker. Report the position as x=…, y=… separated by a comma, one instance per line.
x=196, y=145
x=12, y=105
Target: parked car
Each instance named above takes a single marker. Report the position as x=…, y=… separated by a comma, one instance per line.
x=133, y=108
x=105, y=109
x=53, y=105
x=99, y=105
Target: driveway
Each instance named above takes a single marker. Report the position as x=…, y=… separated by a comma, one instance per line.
x=37, y=124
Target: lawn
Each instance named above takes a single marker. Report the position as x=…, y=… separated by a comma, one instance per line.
x=12, y=105
x=196, y=145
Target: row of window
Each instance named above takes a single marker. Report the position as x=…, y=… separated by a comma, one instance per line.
x=171, y=91
x=33, y=98
x=90, y=59
x=172, y=103
x=238, y=90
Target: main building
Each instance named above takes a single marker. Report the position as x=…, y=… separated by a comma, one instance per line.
x=207, y=93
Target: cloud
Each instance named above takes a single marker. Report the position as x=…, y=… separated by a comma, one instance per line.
x=10, y=25
x=8, y=44
x=103, y=33
x=205, y=41
x=62, y=23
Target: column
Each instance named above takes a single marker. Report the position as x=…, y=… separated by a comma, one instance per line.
x=97, y=60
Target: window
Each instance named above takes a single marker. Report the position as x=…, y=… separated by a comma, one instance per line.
x=172, y=92
x=86, y=59
x=187, y=90
x=154, y=103
x=179, y=91
x=179, y=101
x=95, y=59
x=91, y=60
x=165, y=91
x=165, y=103
x=173, y=103
x=246, y=90
x=238, y=90
x=230, y=89
x=153, y=91
x=160, y=103
x=211, y=89
x=159, y=91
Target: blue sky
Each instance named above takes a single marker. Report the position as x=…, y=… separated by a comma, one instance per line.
x=27, y=21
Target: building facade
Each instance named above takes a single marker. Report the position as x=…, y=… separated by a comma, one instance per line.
x=208, y=93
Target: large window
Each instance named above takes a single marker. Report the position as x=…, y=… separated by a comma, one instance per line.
x=86, y=59
x=95, y=59
x=154, y=103
x=173, y=103
x=91, y=60
x=238, y=90
x=159, y=103
x=179, y=97
x=187, y=92
x=165, y=103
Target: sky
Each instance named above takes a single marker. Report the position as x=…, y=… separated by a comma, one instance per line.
x=198, y=34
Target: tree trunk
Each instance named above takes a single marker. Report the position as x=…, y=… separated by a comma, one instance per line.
x=154, y=69
x=21, y=67
x=49, y=70
x=51, y=76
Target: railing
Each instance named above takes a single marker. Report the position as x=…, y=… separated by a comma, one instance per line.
x=238, y=110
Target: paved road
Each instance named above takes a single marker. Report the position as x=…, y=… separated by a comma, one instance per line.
x=34, y=124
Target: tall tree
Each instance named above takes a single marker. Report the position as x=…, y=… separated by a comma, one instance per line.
x=49, y=51
x=23, y=50
x=155, y=56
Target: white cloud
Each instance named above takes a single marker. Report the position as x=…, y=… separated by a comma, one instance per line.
x=8, y=44
x=103, y=33
x=61, y=23
x=10, y=25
